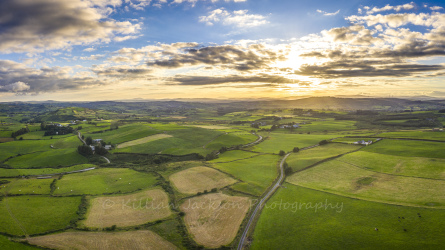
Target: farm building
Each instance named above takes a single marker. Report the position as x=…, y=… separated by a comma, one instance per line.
x=437, y=130
x=97, y=140
x=363, y=142
x=107, y=147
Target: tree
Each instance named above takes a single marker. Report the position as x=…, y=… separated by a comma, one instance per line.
x=101, y=150
x=323, y=142
x=89, y=140
x=296, y=149
x=282, y=153
x=85, y=150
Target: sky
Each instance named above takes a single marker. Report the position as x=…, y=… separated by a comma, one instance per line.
x=93, y=50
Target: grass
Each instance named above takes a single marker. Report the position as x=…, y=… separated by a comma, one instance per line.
x=287, y=142
x=198, y=179
x=352, y=228
x=344, y=179
x=327, y=125
x=398, y=165
x=143, y=140
x=305, y=158
x=37, y=214
x=125, y=133
x=6, y=244
x=234, y=155
x=408, y=148
x=232, y=139
x=257, y=173
x=104, y=181
x=102, y=240
x=52, y=158
x=428, y=135
x=128, y=210
x=42, y=171
x=26, y=186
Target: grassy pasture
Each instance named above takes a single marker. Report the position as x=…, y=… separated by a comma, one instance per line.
x=6, y=244
x=428, y=135
x=287, y=142
x=26, y=186
x=198, y=179
x=257, y=173
x=37, y=214
x=231, y=139
x=234, y=155
x=305, y=158
x=143, y=140
x=125, y=133
x=143, y=239
x=352, y=140
x=344, y=179
x=103, y=181
x=128, y=210
x=327, y=125
x=398, y=165
x=217, y=127
x=51, y=158
x=39, y=135
x=214, y=219
x=41, y=171
x=352, y=228
x=408, y=148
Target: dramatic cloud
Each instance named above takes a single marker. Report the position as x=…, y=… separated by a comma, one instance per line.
x=16, y=77
x=254, y=57
x=237, y=18
x=355, y=35
x=214, y=80
x=327, y=13
x=38, y=25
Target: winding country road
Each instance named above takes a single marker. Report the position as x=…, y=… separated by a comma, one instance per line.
x=262, y=201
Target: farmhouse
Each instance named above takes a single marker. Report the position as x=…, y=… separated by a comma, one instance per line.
x=92, y=147
x=437, y=130
x=107, y=147
x=363, y=142
x=97, y=140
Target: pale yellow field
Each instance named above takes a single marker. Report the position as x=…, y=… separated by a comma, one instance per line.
x=143, y=140
x=214, y=219
x=106, y=241
x=198, y=179
x=128, y=210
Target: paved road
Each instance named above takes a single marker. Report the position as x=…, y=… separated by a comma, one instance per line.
x=255, y=142
x=262, y=201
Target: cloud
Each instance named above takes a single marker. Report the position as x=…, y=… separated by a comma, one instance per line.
x=15, y=87
x=254, y=57
x=237, y=18
x=436, y=8
x=328, y=14
x=227, y=79
x=408, y=6
x=356, y=35
x=39, y=25
x=17, y=77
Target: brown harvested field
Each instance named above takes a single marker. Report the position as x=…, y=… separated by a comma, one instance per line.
x=128, y=210
x=143, y=140
x=99, y=240
x=198, y=179
x=214, y=219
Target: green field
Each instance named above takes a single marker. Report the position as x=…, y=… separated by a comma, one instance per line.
x=234, y=155
x=277, y=141
x=37, y=214
x=408, y=148
x=398, y=165
x=124, y=133
x=6, y=244
x=232, y=139
x=257, y=173
x=341, y=178
x=39, y=135
x=428, y=135
x=306, y=158
x=26, y=186
x=51, y=158
x=346, y=224
x=104, y=181
x=185, y=140
x=4, y=172
x=327, y=125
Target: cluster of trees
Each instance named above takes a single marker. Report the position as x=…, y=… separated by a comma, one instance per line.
x=211, y=156
x=85, y=150
x=19, y=132
x=52, y=129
